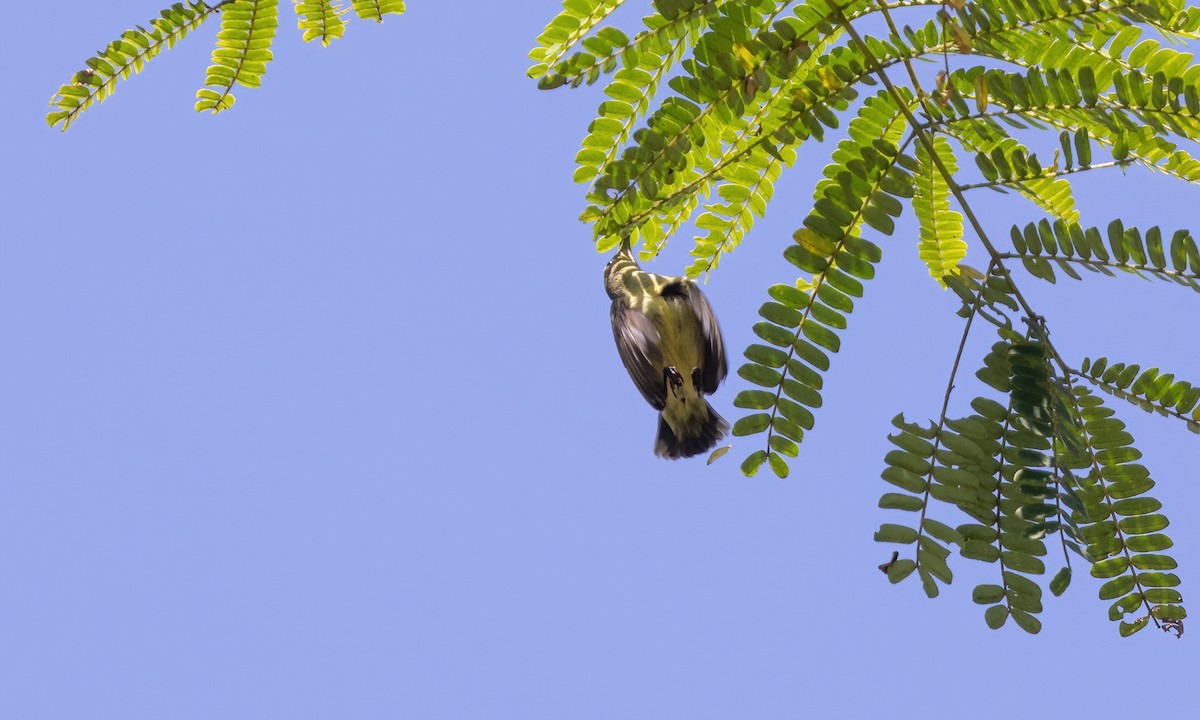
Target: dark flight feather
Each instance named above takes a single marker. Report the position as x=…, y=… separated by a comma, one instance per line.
x=714, y=348
x=637, y=344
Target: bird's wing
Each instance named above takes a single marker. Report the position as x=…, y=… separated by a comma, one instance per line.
x=714, y=347
x=637, y=344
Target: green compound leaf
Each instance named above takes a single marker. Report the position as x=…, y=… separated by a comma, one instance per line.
x=321, y=20
x=376, y=9
x=123, y=57
x=242, y=53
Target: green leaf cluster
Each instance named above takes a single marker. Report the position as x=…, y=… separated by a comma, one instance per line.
x=571, y=27
x=1035, y=93
x=941, y=241
x=1046, y=458
x=1043, y=245
x=121, y=58
x=801, y=323
x=707, y=105
x=376, y=9
x=997, y=467
x=1151, y=389
x=1120, y=523
x=242, y=51
x=321, y=19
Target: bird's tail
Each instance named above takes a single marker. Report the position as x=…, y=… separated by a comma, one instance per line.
x=699, y=436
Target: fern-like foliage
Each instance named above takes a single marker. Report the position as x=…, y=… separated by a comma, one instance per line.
x=242, y=53
x=122, y=58
x=801, y=323
x=1123, y=528
x=1046, y=458
x=570, y=28
x=243, y=48
x=711, y=103
x=997, y=467
x=376, y=9
x=1041, y=246
x=942, y=246
x=321, y=20
x=1151, y=389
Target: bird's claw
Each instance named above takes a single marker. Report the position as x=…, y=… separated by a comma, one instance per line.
x=672, y=379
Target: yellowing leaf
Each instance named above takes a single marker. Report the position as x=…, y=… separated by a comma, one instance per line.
x=829, y=79
x=745, y=57
x=981, y=93
x=961, y=38
x=814, y=243
x=718, y=454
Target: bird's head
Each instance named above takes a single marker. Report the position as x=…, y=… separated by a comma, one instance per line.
x=616, y=269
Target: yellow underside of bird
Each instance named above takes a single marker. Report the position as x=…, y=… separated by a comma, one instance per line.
x=693, y=425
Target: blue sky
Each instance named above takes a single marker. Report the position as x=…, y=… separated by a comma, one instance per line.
x=312, y=410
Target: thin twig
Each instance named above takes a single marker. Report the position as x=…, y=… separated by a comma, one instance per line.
x=937, y=439
x=912, y=73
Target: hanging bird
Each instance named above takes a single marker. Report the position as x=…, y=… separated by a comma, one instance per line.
x=670, y=343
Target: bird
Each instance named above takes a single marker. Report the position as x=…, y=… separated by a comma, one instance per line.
x=669, y=341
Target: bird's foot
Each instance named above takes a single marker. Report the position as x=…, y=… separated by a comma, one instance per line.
x=672, y=379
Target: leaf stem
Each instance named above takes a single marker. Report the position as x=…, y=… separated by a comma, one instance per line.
x=912, y=73
x=937, y=439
